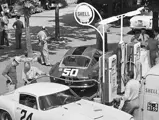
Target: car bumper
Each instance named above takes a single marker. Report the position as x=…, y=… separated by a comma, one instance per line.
x=75, y=83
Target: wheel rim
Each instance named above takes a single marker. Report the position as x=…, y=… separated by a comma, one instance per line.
x=5, y=116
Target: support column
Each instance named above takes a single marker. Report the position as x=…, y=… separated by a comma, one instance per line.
x=57, y=26
x=155, y=20
x=110, y=8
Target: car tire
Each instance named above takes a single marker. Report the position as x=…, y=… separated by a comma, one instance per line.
x=5, y=116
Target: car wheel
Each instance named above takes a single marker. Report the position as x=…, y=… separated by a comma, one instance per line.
x=5, y=116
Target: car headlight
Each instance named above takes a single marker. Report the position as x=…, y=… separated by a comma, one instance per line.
x=132, y=118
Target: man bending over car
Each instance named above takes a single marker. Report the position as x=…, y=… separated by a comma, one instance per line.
x=31, y=73
x=10, y=74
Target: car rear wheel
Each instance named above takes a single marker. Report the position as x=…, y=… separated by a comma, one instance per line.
x=5, y=116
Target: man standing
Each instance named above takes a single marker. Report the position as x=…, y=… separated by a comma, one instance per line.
x=18, y=26
x=5, y=22
x=1, y=34
x=136, y=37
x=10, y=74
x=30, y=73
x=156, y=33
x=143, y=37
x=131, y=96
x=153, y=48
x=42, y=37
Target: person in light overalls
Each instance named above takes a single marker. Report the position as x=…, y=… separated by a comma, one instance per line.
x=42, y=36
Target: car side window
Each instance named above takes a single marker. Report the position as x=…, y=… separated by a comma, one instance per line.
x=28, y=100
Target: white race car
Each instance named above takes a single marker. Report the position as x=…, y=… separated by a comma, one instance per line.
x=52, y=101
x=141, y=21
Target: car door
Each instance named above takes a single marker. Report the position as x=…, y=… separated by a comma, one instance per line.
x=27, y=108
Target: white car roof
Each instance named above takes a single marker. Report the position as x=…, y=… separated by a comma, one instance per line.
x=144, y=17
x=42, y=88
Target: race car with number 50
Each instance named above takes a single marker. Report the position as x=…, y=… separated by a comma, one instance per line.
x=78, y=68
x=52, y=101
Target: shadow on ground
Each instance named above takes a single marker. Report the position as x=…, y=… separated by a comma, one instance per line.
x=10, y=51
x=69, y=28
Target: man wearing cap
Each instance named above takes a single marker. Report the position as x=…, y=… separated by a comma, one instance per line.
x=42, y=37
x=10, y=74
x=18, y=26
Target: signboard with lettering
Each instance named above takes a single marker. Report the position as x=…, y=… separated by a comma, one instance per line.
x=138, y=22
x=152, y=91
x=152, y=106
x=84, y=14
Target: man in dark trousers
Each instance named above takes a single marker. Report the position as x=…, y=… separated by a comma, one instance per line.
x=1, y=34
x=5, y=22
x=18, y=26
x=153, y=48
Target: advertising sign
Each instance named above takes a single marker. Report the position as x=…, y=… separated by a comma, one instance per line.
x=84, y=14
x=138, y=22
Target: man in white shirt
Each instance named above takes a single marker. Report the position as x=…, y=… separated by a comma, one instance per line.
x=31, y=73
x=156, y=33
x=143, y=37
x=136, y=37
x=130, y=98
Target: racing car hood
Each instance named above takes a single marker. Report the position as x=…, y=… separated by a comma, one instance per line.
x=88, y=110
x=93, y=110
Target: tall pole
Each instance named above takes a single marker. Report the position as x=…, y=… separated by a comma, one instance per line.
x=110, y=8
x=121, y=31
x=155, y=20
x=122, y=6
x=102, y=34
x=57, y=26
x=103, y=60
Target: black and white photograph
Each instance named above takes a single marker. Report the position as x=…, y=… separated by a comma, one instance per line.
x=79, y=59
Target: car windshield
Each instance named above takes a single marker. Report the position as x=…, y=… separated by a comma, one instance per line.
x=55, y=100
x=76, y=61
